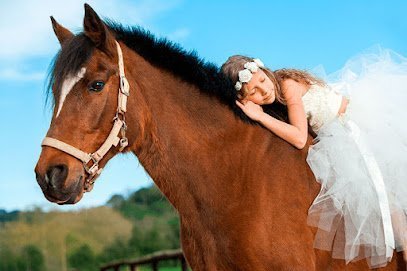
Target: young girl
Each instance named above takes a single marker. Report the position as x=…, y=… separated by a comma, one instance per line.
x=359, y=155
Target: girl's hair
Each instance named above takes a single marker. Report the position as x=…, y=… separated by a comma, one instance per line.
x=235, y=63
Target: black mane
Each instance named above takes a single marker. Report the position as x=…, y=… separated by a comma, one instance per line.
x=161, y=53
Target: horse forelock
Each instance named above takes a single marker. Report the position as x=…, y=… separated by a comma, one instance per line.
x=67, y=63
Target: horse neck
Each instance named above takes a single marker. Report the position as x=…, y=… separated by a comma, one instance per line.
x=189, y=141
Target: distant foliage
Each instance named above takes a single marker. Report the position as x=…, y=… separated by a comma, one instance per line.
x=30, y=258
x=156, y=225
x=8, y=216
x=144, y=202
x=83, y=240
x=59, y=234
x=119, y=249
x=83, y=259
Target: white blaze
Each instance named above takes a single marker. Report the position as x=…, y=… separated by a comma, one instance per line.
x=67, y=85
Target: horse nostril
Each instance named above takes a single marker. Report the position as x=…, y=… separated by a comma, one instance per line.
x=38, y=177
x=56, y=175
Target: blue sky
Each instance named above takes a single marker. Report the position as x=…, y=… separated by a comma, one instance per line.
x=300, y=34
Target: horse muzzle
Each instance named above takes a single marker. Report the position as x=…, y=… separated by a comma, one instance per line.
x=59, y=185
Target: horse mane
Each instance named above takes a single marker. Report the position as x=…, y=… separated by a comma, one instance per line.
x=162, y=53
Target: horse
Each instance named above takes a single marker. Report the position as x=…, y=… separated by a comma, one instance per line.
x=241, y=192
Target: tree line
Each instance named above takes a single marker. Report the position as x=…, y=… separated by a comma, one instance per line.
x=154, y=222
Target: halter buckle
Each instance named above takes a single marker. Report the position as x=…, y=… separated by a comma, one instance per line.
x=120, y=116
x=92, y=170
x=124, y=142
x=91, y=180
x=124, y=85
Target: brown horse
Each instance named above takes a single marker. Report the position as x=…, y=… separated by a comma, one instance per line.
x=241, y=192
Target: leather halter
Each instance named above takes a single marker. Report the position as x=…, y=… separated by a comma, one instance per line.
x=113, y=139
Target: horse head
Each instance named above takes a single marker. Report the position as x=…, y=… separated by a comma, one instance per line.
x=88, y=126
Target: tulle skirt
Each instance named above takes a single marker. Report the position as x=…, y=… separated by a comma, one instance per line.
x=360, y=159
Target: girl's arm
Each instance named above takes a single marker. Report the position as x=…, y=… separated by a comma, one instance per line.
x=296, y=132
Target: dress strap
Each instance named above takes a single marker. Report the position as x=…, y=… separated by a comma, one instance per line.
x=377, y=178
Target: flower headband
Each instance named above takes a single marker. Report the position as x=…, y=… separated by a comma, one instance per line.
x=247, y=73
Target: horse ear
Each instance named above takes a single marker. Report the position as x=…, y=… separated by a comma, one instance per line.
x=61, y=32
x=96, y=30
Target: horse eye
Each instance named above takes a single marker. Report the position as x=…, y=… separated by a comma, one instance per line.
x=96, y=86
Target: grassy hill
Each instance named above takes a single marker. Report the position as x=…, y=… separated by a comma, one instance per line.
x=58, y=233
x=128, y=227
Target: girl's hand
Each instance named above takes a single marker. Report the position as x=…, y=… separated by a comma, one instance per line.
x=252, y=110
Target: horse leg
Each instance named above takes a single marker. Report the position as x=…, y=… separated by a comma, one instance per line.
x=196, y=252
x=190, y=251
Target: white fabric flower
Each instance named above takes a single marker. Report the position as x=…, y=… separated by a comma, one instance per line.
x=245, y=76
x=258, y=62
x=251, y=66
x=238, y=86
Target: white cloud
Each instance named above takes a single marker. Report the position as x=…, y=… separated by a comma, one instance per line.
x=13, y=74
x=27, y=30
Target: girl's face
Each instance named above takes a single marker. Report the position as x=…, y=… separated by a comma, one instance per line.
x=260, y=89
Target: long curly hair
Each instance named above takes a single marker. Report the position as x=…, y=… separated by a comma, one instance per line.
x=235, y=63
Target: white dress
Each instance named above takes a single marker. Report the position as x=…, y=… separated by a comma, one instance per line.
x=360, y=159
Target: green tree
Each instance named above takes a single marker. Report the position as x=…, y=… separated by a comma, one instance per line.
x=146, y=196
x=7, y=259
x=152, y=242
x=147, y=201
x=83, y=259
x=173, y=235
x=32, y=258
x=142, y=243
x=8, y=216
x=117, y=250
x=116, y=201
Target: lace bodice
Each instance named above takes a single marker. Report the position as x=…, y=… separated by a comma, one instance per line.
x=321, y=105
